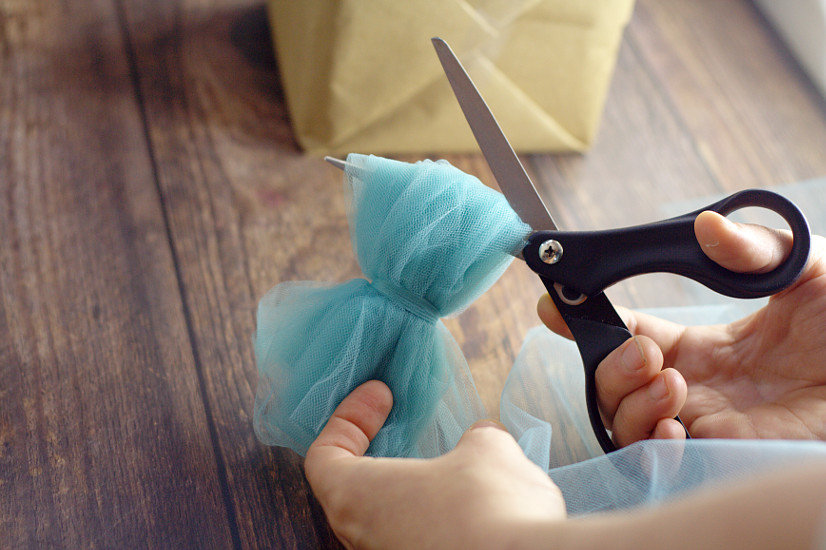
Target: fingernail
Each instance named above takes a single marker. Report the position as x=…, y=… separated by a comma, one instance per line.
x=488, y=423
x=632, y=356
x=729, y=226
x=658, y=389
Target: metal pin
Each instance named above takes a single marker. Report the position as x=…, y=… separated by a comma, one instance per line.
x=342, y=165
x=338, y=163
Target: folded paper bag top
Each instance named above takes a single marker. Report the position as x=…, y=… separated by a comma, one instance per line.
x=430, y=239
x=362, y=75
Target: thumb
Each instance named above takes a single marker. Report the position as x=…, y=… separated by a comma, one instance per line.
x=348, y=433
x=743, y=248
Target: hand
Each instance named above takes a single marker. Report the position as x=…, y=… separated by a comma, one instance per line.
x=486, y=494
x=761, y=377
x=483, y=494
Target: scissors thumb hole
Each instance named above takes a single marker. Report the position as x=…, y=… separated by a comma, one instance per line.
x=741, y=247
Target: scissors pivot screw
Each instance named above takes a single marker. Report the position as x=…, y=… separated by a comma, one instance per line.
x=550, y=251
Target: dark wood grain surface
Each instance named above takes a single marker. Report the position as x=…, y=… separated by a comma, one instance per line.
x=105, y=438
x=151, y=191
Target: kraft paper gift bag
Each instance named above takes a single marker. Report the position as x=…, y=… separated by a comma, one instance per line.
x=362, y=75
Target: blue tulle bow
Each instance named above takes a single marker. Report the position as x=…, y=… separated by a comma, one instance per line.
x=430, y=239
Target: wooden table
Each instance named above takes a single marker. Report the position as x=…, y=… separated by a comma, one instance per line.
x=151, y=191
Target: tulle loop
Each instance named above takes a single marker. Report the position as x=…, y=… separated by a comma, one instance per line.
x=408, y=301
x=431, y=239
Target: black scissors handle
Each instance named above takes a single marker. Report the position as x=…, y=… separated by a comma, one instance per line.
x=588, y=262
x=597, y=330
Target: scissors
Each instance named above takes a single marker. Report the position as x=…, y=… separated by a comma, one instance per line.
x=577, y=266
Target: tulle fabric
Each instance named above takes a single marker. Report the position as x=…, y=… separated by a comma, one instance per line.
x=429, y=239
x=543, y=407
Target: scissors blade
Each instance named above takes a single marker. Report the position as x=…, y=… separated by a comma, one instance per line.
x=508, y=171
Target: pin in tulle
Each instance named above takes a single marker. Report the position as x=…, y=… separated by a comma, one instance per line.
x=429, y=239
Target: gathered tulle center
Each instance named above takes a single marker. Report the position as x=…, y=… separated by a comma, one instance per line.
x=410, y=302
x=431, y=239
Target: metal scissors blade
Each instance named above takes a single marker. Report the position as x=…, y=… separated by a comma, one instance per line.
x=508, y=171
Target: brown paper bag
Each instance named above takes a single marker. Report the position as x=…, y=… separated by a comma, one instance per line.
x=362, y=76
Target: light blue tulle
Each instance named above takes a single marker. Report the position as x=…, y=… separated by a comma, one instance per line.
x=655, y=471
x=543, y=407
x=431, y=239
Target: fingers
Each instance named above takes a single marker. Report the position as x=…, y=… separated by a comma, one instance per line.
x=668, y=428
x=485, y=434
x=629, y=367
x=489, y=447
x=637, y=399
x=348, y=433
x=743, y=248
x=650, y=407
x=546, y=309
